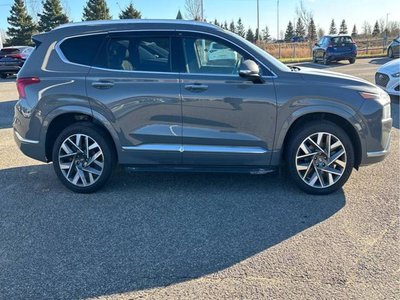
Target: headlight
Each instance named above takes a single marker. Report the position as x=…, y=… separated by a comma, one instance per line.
x=396, y=74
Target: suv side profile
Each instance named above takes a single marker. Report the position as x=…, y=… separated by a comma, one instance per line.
x=335, y=48
x=148, y=94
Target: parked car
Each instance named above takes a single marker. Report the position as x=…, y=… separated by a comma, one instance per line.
x=335, y=48
x=12, y=59
x=297, y=39
x=388, y=77
x=115, y=103
x=393, y=49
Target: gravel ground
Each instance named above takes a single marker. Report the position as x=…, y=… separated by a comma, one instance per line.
x=197, y=236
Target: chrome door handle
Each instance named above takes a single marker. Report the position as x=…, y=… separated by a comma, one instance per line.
x=102, y=84
x=196, y=87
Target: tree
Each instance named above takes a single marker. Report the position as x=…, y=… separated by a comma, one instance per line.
x=303, y=13
x=289, y=32
x=343, y=27
x=257, y=35
x=354, y=32
x=321, y=32
x=376, y=30
x=240, y=28
x=300, y=29
x=232, y=27
x=366, y=28
x=179, y=15
x=52, y=15
x=265, y=34
x=193, y=9
x=250, y=35
x=96, y=10
x=130, y=13
x=21, y=25
x=332, y=28
x=225, y=25
x=312, y=30
x=216, y=23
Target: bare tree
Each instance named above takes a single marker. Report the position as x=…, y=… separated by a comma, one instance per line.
x=366, y=29
x=193, y=9
x=303, y=13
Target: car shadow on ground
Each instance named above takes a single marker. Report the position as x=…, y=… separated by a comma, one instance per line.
x=380, y=61
x=6, y=113
x=143, y=230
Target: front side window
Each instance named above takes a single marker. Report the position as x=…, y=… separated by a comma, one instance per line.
x=210, y=57
x=136, y=54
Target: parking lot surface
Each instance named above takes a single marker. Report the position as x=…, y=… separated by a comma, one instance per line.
x=202, y=236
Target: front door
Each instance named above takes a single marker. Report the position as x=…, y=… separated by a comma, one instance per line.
x=227, y=120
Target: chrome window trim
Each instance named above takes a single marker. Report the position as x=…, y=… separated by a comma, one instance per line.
x=65, y=60
x=197, y=148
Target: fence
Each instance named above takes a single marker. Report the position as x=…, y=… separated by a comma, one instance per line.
x=304, y=50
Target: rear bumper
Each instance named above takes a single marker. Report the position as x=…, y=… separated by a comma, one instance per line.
x=9, y=69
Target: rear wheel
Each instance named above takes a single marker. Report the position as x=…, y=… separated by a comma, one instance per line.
x=83, y=158
x=320, y=157
x=352, y=60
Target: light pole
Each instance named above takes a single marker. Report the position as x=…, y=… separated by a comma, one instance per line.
x=277, y=20
x=202, y=10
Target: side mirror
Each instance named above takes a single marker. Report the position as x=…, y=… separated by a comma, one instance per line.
x=250, y=70
x=316, y=44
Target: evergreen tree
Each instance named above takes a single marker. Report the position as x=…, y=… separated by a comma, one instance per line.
x=312, y=31
x=265, y=34
x=21, y=25
x=240, y=28
x=354, y=32
x=257, y=35
x=332, y=28
x=343, y=28
x=96, y=10
x=300, y=29
x=216, y=22
x=376, y=30
x=232, y=27
x=52, y=15
x=225, y=25
x=289, y=32
x=250, y=35
x=179, y=15
x=130, y=13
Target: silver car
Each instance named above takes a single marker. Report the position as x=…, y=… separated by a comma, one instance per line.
x=146, y=94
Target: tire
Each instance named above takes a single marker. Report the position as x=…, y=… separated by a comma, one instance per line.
x=318, y=172
x=83, y=171
x=325, y=60
x=390, y=52
x=3, y=76
x=352, y=60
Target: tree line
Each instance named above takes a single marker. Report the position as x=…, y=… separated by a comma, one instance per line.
x=22, y=27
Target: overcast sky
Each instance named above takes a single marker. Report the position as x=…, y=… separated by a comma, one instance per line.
x=353, y=11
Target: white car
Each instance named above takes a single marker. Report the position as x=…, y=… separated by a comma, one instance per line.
x=221, y=52
x=388, y=77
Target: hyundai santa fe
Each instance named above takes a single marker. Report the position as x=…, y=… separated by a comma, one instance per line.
x=149, y=94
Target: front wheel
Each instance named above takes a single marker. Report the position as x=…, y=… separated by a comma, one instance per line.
x=320, y=157
x=83, y=158
x=325, y=60
x=390, y=52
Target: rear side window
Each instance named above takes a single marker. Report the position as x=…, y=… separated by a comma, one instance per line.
x=130, y=53
x=82, y=50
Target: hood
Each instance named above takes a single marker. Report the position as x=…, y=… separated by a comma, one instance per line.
x=390, y=67
x=336, y=79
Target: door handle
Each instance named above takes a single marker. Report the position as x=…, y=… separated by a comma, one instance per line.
x=196, y=87
x=102, y=84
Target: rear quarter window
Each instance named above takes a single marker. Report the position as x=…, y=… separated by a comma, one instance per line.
x=82, y=50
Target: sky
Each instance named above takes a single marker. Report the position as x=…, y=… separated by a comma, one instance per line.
x=353, y=11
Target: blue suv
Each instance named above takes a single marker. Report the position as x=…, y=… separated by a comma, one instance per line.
x=335, y=48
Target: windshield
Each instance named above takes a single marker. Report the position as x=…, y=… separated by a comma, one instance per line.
x=269, y=57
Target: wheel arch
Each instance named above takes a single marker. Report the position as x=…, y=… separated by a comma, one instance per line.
x=340, y=120
x=58, y=120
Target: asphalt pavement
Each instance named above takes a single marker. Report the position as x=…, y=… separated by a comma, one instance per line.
x=197, y=236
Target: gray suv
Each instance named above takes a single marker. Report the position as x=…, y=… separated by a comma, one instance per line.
x=189, y=96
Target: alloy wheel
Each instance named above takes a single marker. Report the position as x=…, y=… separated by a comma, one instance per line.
x=81, y=160
x=321, y=160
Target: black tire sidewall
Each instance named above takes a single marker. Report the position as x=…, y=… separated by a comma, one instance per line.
x=298, y=137
x=99, y=136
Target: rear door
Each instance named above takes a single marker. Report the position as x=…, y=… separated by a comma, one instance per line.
x=133, y=83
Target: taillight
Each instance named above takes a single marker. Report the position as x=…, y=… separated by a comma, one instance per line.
x=23, y=82
x=17, y=56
